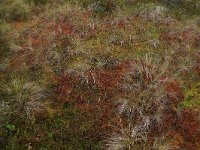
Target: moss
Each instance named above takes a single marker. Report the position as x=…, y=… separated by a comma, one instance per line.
x=58, y=130
x=192, y=98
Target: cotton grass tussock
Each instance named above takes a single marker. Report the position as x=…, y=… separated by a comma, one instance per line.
x=23, y=97
x=143, y=106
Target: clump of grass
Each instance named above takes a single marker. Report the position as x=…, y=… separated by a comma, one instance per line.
x=38, y=2
x=14, y=11
x=155, y=13
x=100, y=7
x=21, y=97
x=4, y=46
x=150, y=103
x=182, y=8
x=143, y=104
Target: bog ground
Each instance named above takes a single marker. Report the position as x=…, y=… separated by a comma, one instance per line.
x=100, y=74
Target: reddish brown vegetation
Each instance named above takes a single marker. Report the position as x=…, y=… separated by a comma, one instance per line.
x=97, y=86
x=186, y=37
x=188, y=125
x=174, y=92
x=181, y=126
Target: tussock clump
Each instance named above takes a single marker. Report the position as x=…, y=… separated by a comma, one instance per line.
x=37, y=2
x=21, y=98
x=100, y=7
x=4, y=46
x=156, y=13
x=147, y=108
x=172, y=3
x=14, y=11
